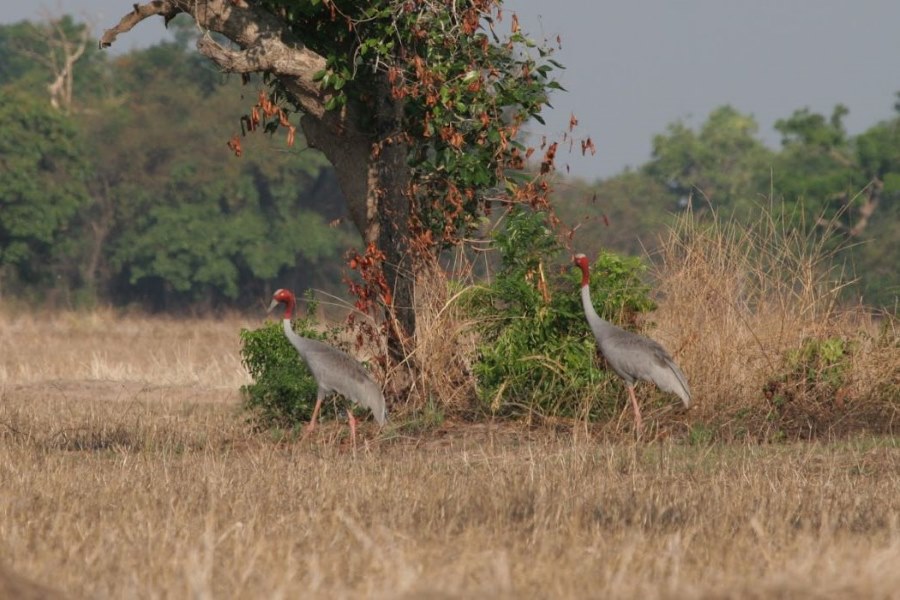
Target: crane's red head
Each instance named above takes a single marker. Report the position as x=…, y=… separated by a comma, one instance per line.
x=285, y=297
x=581, y=261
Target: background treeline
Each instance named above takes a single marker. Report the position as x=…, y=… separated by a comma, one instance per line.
x=846, y=187
x=127, y=192
x=116, y=184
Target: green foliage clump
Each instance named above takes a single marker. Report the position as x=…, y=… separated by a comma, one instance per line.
x=466, y=89
x=820, y=362
x=537, y=353
x=42, y=188
x=283, y=392
x=809, y=388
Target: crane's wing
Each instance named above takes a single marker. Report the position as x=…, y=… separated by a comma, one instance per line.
x=636, y=356
x=335, y=370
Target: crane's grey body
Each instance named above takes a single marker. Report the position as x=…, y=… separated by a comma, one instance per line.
x=634, y=356
x=336, y=371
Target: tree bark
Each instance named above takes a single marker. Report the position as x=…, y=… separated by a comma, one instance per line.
x=100, y=224
x=388, y=197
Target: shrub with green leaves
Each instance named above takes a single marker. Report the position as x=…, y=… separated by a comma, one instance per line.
x=537, y=352
x=814, y=372
x=810, y=394
x=283, y=392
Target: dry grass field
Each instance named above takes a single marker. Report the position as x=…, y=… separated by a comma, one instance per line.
x=127, y=471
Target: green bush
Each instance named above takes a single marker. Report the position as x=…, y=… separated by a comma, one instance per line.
x=815, y=372
x=537, y=353
x=283, y=392
x=811, y=393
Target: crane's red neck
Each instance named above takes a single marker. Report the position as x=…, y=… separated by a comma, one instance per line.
x=289, y=307
x=287, y=298
x=581, y=262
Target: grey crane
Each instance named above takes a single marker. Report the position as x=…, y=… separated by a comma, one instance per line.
x=630, y=355
x=333, y=370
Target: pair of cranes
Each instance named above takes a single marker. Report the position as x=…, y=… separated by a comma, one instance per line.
x=633, y=357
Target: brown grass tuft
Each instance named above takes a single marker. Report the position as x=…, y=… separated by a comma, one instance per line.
x=438, y=370
x=14, y=586
x=738, y=299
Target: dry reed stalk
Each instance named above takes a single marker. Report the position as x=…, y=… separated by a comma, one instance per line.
x=437, y=369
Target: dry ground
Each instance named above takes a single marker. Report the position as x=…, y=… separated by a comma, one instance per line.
x=126, y=470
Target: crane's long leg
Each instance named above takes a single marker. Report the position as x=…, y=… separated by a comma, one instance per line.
x=320, y=395
x=352, y=420
x=638, y=423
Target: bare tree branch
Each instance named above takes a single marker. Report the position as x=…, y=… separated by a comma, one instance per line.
x=872, y=198
x=58, y=53
x=295, y=67
x=264, y=45
x=62, y=86
x=164, y=8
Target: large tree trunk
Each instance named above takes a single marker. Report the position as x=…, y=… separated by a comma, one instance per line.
x=371, y=166
x=388, y=195
x=374, y=177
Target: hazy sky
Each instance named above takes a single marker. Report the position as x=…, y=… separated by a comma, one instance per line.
x=634, y=67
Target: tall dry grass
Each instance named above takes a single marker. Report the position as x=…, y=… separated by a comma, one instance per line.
x=738, y=297
x=436, y=372
x=735, y=300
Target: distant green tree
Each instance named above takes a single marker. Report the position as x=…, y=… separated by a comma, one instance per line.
x=166, y=215
x=18, y=66
x=850, y=184
x=847, y=185
x=817, y=164
x=42, y=187
x=177, y=219
x=725, y=163
x=875, y=214
x=621, y=213
x=56, y=58
x=218, y=241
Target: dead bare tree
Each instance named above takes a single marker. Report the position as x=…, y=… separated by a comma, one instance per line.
x=871, y=197
x=53, y=47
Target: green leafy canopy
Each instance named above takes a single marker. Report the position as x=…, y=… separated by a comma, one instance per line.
x=42, y=185
x=466, y=90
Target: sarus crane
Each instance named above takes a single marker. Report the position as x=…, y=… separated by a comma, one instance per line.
x=333, y=370
x=631, y=356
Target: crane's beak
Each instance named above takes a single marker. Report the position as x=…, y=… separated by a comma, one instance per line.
x=273, y=305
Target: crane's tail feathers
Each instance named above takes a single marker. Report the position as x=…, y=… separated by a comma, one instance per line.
x=684, y=392
x=379, y=411
x=381, y=416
